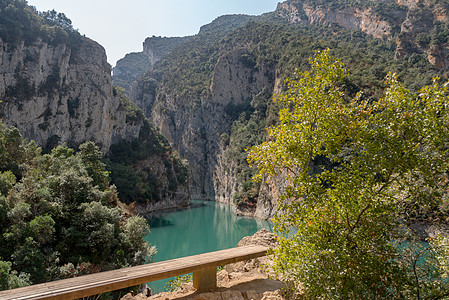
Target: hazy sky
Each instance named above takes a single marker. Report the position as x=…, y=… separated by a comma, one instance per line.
x=121, y=26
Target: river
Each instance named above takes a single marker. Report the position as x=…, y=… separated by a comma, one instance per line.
x=204, y=227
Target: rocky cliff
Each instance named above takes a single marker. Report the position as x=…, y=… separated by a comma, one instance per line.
x=196, y=126
x=56, y=94
x=211, y=96
x=56, y=87
x=157, y=47
x=129, y=69
x=417, y=26
x=133, y=65
x=364, y=18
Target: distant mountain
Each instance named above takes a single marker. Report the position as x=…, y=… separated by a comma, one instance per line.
x=211, y=95
x=133, y=65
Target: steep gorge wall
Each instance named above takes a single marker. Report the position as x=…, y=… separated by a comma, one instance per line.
x=56, y=94
x=196, y=127
x=205, y=124
x=133, y=65
x=410, y=22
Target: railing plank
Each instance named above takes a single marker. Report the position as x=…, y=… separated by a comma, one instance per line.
x=87, y=285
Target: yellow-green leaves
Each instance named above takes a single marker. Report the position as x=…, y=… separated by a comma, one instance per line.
x=354, y=171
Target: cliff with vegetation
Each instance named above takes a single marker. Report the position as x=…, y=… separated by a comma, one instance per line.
x=133, y=65
x=55, y=84
x=418, y=27
x=56, y=88
x=211, y=96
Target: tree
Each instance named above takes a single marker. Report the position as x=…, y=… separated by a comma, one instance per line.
x=59, y=216
x=356, y=172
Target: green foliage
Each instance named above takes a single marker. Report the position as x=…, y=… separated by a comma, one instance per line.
x=146, y=169
x=187, y=68
x=386, y=156
x=133, y=113
x=186, y=73
x=9, y=279
x=59, y=216
x=54, y=18
x=20, y=22
x=175, y=284
x=91, y=158
x=7, y=181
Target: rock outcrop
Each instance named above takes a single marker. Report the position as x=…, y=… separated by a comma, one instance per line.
x=57, y=94
x=156, y=47
x=129, y=69
x=133, y=65
x=364, y=18
x=415, y=24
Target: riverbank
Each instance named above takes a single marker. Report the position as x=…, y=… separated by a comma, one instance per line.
x=244, y=280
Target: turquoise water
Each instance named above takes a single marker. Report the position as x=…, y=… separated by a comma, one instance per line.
x=204, y=227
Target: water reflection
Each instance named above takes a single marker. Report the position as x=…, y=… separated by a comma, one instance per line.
x=204, y=227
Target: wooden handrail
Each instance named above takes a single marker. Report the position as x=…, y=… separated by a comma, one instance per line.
x=203, y=267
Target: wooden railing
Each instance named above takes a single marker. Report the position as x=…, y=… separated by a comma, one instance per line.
x=203, y=266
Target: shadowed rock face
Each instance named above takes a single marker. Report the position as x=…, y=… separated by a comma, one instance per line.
x=195, y=130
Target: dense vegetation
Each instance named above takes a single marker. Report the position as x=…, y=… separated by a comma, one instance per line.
x=187, y=69
x=145, y=169
x=369, y=59
x=379, y=165
x=133, y=65
x=59, y=216
x=21, y=22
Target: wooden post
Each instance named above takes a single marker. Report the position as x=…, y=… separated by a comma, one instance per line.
x=205, y=279
x=203, y=267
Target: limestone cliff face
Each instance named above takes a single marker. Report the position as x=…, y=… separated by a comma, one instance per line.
x=133, y=65
x=56, y=87
x=129, y=69
x=156, y=47
x=195, y=127
x=56, y=94
x=236, y=80
x=352, y=18
x=413, y=22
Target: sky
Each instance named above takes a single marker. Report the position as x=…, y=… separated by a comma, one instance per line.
x=121, y=26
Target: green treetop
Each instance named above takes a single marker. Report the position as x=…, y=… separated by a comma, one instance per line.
x=356, y=172
x=59, y=216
